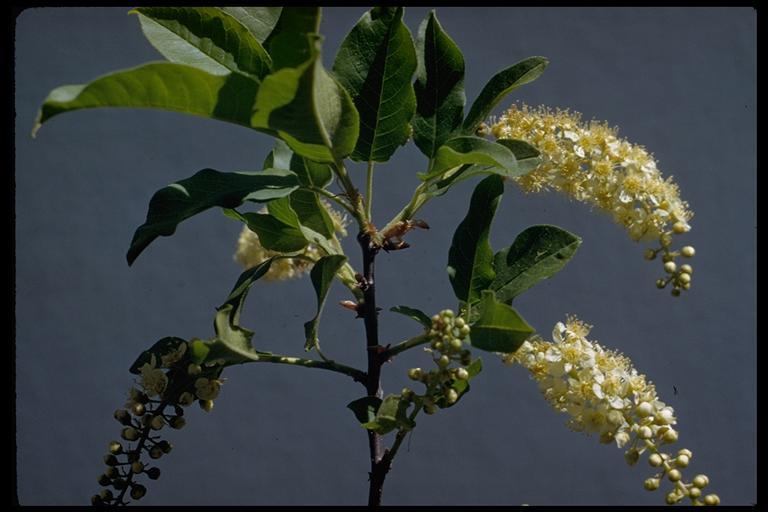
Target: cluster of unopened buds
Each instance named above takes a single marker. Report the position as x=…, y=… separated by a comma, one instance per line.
x=678, y=276
x=447, y=335
x=164, y=391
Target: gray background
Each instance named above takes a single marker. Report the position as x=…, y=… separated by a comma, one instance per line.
x=679, y=81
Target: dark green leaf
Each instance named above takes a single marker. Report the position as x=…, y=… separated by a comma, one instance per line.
x=413, y=313
x=160, y=348
x=207, y=188
x=501, y=84
x=472, y=150
x=537, y=253
x=287, y=44
x=322, y=275
x=375, y=64
x=439, y=87
x=204, y=37
x=365, y=408
x=164, y=86
x=242, y=287
x=470, y=256
x=260, y=21
x=279, y=229
x=311, y=174
x=309, y=110
x=499, y=327
x=311, y=212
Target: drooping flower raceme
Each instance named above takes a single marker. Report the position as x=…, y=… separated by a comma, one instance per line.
x=250, y=252
x=605, y=395
x=590, y=163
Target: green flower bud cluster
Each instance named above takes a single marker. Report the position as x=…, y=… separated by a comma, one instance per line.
x=159, y=401
x=447, y=334
x=679, y=276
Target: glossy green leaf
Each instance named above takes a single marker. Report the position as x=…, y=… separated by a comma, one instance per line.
x=160, y=348
x=414, y=314
x=499, y=328
x=309, y=110
x=288, y=44
x=322, y=275
x=164, y=86
x=204, y=37
x=239, y=292
x=365, y=408
x=207, y=188
x=537, y=253
x=279, y=229
x=473, y=150
x=375, y=64
x=470, y=257
x=260, y=21
x=439, y=87
x=501, y=84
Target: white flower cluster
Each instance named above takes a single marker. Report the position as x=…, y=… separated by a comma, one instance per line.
x=591, y=164
x=604, y=394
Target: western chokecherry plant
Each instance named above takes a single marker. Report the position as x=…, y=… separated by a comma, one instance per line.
x=260, y=67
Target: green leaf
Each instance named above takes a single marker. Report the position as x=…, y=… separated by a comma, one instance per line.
x=470, y=256
x=537, y=253
x=198, y=351
x=279, y=229
x=501, y=84
x=309, y=110
x=311, y=212
x=260, y=21
x=499, y=327
x=239, y=292
x=207, y=188
x=392, y=414
x=322, y=275
x=414, y=314
x=375, y=64
x=280, y=157
x=160, y=348
x=287, y=44
x=164, y=86
x=232, y=344
x=472, y=150
x=311, y=174
x=527, y=156
x=439, y=87
x=365, y=408
x=204, y=37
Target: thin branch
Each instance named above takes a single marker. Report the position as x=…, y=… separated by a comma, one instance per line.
x=421, y=339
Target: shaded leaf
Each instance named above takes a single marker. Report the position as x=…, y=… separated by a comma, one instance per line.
x=472, y=150
x=163, y=86
x=288, y=44
x=392, y=414
x=207, y=188
x=260, y=21
x=375, y=64
x=470, y=257
x=204, y=37
x=499, y=328
x=232, y=344
x=311, y=212
x=322, y=275
x=239, y=292
x=279, y=229
x=439, y=87
x=311, y=174
x=365, y=408
x=309, y=110
x=160, y=348
x=413, y=313
x=501, y=84
x=537, y=253
x=527, y=156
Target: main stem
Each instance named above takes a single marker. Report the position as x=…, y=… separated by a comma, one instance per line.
x=379, y=466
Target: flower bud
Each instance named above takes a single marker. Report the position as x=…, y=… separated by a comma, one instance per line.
x=137, y=467
x=415, y=373
x=123, y=416
x=680, y=227
x=686, y=269
x=157, y=423
x=694, y=492
x=111, y=472
x=115, y=448
x=194, y=369
x=104, y=480
x=674, y=475
x=138, y=491
x=670, y=436
x=464, y=331
x=670, y=267
x=661, y=283
x=682, y=461
x=650, y=254
x=138, y=409
x=672, y=498
x=644, y=409
x=712, y=500
x=186, y=398
x=685, y=451
x=130, y=434
x=684, y=278
x=655, y=460
x=443, y=361
x=165, y=446
x=206, y=405
x=631, y=456
x=451, y=396
x=701, y=481
x=462, y=374
x=177, y=422
x=688, y=251
x=153, y=473
x=155, y=452
x=106, y=495
x=651, y=484
x=455, y=343
x=644, y=432
x=675, y=292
